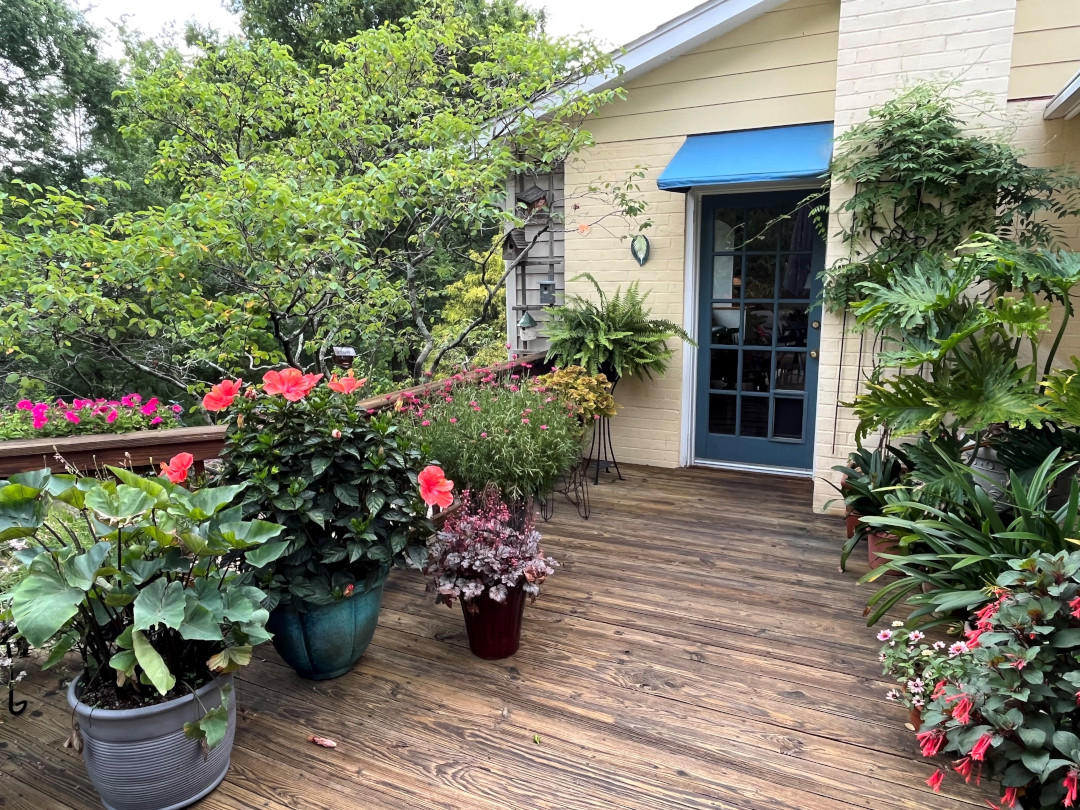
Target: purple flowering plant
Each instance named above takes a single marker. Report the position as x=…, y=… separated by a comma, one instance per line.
x=483, y=548
x=79, y=417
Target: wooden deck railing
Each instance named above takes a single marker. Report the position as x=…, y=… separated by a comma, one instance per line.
x=148, y=448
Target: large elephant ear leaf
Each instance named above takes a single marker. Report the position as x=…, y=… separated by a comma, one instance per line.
x=125, y=503
x=42, y=604
x=213, y=726
x=152, y=664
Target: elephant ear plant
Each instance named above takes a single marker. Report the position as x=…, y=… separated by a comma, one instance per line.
x=148, y=581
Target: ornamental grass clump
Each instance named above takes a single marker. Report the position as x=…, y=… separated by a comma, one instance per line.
x=79, y=417
x=1008, y=709
x=483, y=549
x=341, y=479
x=486, y=430
x=154, y=589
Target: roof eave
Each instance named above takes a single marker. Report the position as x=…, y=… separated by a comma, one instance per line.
x=1065, y=104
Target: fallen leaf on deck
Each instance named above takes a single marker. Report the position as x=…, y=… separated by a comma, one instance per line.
x=536, y=738
x=323, y=741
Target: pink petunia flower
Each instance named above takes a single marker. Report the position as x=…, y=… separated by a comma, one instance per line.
x=71, y=417
x=111, y=417
x=24, y=405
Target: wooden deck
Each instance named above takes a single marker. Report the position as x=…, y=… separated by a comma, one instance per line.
x=698, y=648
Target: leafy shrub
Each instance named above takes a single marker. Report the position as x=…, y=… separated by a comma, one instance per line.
x=156, y=593
x=29, y=420
x=486, y=430
x=1011, y=707
x=915, y=664
x=588, y=395
x=341, y=480
x=614, y=335
x=482, y=549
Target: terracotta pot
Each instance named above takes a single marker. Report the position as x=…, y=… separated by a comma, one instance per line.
x=851, y=522
x=882, y=542
x=494, y=628
x=915, y=717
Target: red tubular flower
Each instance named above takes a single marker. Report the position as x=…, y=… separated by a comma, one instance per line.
x=177, y=468
x=291, y=383
x=434, y=488
x=1070, y=788
x=978, y=752
x=961, y=712
x=935, y=780
x=221, y=396
x=963, y=767
x=939, y=689
x=932, y=741
x=1074, y=606
x=1010, y=797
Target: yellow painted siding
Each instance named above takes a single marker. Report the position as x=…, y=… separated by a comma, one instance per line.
x=1046, y=47
x=779, y=68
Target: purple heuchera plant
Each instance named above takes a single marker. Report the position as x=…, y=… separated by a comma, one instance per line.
x=482, y=547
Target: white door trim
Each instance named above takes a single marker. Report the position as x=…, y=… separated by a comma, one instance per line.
x=692, y=230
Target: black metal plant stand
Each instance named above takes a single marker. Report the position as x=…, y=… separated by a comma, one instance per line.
x=601, y=449
x=575, y=487
x=14, y=707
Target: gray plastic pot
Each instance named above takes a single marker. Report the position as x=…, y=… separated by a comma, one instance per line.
x=139, y=759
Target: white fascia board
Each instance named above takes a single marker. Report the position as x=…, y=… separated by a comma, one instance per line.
x=1065, y=104
x=675, y=37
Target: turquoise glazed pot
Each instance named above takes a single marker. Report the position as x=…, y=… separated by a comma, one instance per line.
x=325, y=641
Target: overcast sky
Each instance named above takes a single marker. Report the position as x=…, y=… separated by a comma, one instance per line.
x=615, y=22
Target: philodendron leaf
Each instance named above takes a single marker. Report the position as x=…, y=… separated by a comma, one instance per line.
x=213, y=726
x=42, y=604
x=160, y=602
x=81, y=570
x=153, y=665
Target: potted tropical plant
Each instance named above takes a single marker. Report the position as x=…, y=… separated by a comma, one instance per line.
x=152, y=585
x=491, y=562
x=613, y=335
x=868, y=478
x=343, y=483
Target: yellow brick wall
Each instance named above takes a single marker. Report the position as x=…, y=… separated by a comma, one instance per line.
x=1046, y=47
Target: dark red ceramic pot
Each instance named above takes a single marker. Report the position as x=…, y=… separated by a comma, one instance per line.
x=882, y=542
x=494, y=628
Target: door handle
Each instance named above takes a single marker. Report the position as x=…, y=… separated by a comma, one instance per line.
x=813, y=355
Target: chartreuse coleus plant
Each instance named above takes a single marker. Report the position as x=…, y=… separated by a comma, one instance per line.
x=1010, y=709
x=150, y=583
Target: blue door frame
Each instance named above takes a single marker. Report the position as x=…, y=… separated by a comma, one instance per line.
x=759, y=330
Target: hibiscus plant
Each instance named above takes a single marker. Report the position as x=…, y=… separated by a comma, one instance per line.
x=1009, y=710
x=151, y=583
x=335, y=473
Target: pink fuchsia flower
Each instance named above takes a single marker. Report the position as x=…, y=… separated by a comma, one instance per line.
x=24, y=405
x=157, y=420
x=435, y=489
x=982, y=745
x=884, y=635
x=1074, y=606
x=1071, y=785
x=935, y=780
x=961, y=712
x=71, y=417
x=964, y=768
x=1010, y=797
x=111, y=417
x=931, y=741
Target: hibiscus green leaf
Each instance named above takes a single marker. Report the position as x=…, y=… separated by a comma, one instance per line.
x=266, y=553
x=160, y=602
x=245, y=534
x=153, y=665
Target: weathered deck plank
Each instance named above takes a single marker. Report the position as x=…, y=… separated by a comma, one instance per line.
x=698, y=649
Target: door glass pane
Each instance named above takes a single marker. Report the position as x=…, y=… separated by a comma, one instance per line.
x=794, y=323
x=795, y=275
x=798, y=231
x=724, y=369
x=725, y=324
x=790, y=371
x=756, y=371
x=758, y=325
x=787, y=418
x=725, y=278
x=755, y=416
x=722, y=413
x=760, y=277
x=761, y=231
x=727, y=229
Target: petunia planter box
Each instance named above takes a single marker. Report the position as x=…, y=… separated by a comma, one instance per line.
x=140, y=449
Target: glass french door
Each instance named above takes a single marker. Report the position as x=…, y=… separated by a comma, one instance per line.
x=759, y=330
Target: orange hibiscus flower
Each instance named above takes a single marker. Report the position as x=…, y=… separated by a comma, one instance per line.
x=434, y=488
x=177, y=468
x=291, y=383
x=347, y=384
x=221, y=396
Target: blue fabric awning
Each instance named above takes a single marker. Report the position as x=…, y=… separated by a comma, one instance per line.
x=750, y=156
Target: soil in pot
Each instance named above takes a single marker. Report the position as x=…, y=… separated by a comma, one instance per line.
x=140, y=759
x=494, y=628
x=326, y=641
